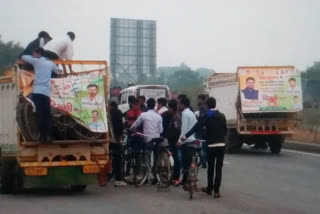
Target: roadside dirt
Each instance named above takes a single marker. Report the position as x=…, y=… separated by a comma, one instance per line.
x=306, y=136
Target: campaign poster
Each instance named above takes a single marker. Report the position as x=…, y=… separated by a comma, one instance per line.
x=270, y=89
x=82, y=96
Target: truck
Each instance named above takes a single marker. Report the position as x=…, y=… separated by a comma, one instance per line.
x=260, y=104
x=149, y=91
x=78, y=154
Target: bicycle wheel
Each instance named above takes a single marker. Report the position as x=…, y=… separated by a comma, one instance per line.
x=163, y=170
x=127, y=166
x=141, y=169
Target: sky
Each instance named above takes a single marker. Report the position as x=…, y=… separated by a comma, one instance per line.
x=221, y=35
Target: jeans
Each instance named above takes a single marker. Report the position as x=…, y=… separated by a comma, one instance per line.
x=43, y=114
x=116, y=160
x=215, y=161
x=203, y=156
x=187, y=153
x=176, y=168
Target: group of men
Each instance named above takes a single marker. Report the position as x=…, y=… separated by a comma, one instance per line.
x=175, y=121
x=39, y=54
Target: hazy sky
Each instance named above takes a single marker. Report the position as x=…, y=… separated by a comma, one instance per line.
x=216, y=34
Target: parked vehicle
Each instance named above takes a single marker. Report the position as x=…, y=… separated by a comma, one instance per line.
x=149, y=91
x=260, y=104
x=77, y=153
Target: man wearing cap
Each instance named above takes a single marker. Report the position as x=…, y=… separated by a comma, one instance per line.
x=43, y=38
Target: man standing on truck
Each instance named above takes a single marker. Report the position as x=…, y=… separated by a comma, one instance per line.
x=43, y=38
x=216, y=131
x=60, y=48
x=249, y=92
x=43, y=69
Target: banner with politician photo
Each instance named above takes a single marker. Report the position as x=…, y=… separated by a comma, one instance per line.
x=270, y=89
x=82, y=96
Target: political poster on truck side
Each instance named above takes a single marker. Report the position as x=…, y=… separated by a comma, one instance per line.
x=82, y=96
x=270, y=89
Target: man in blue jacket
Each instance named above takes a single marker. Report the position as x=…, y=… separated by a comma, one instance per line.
x=216, y=131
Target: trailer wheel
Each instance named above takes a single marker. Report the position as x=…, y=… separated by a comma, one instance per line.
x=275, y=144
x=78, y=188
x=233, y=141
x=11, y=177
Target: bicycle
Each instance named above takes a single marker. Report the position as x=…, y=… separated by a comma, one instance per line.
x=162, y=166
x=191, y=184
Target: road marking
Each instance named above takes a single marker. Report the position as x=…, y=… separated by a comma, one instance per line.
x=226, y=162
x=301, y=153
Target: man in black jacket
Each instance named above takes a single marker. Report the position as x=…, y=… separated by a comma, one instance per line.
x=171, y=130
x=43, y=38
x=216, y=131
x=117, y=125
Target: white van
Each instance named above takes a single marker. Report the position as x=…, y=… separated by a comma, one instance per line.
x=149, y=91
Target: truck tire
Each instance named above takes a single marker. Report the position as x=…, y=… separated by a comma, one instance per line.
x=275, y=144
x=78, y=188
x=11, y=177
x=233, y=143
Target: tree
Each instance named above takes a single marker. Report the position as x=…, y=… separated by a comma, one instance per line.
x=311, y=82
x=9, y=52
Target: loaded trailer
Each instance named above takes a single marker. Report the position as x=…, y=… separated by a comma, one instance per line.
x=78, y=154
x=260, y=104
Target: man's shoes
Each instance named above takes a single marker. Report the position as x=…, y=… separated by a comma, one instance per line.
x=216, y=195
x=204, y=166
x=206, y=190
x=120, y=184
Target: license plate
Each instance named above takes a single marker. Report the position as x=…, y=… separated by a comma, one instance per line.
x=35, y=171
x=92, y=169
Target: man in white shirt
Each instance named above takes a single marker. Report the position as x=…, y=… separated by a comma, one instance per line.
x=162, y=105
x=152, y=126
x=188, y=121
x=151, y=120
x=60, y=48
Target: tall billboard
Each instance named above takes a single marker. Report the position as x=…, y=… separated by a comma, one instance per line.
x=132, y=49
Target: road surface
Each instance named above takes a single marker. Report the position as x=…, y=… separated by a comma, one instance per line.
x=253, y=182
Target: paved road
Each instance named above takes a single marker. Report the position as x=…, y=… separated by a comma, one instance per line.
x=253, y=182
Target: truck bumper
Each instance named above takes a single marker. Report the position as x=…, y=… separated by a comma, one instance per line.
x=60, y=177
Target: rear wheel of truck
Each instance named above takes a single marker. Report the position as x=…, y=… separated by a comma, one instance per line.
x=233, y=143
x=11, y=177
x=275, y=144
x=78, y=188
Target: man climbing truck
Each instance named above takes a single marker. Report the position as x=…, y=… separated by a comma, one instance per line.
x=260, y=104
x=77, y=153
